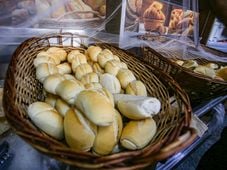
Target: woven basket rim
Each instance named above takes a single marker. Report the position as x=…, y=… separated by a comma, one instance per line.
x=25, y=134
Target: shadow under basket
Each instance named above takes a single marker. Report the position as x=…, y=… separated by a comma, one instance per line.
x=21, y=88
x=199, y=87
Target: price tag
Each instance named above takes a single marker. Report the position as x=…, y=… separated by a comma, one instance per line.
x=199, y=126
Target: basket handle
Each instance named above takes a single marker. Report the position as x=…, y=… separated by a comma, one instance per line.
x=79, y=12
x=181, y=142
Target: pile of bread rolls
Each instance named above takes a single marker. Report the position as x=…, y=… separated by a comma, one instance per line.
x=93, y=101
x=211, y=70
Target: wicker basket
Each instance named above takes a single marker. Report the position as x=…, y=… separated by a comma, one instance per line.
x=22, y=88
x=199, y=87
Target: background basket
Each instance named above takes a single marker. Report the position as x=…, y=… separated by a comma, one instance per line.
x=21, y=88
x=199, y=87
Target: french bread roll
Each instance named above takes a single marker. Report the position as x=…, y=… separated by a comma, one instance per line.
x=105, y=56
x=82, y=70
x=212, y=65
x=51, y=82
x=79, y=132
x=112, y=67
x=107, y=136
x=137, y=88
x=93, y=86
x=58, y=53
x=190, y=64
x=110, y=82
x=62, y=107
x=43, y=59
x=115, y=57
x=72, y=55
x=125, y=76
x=222, y=73
x=64, y=68
x=138, y=107
x=93, y=52
x=51, y=99
x=45, y=117
x=96, y=107
x=49, y=55
x=90, y=78
x=97, y=69
x=78, y=60
x=205, y=71
x=107, y=94
x=44, y=70
x=68, y=90
x=69, y=77
x=138, y=134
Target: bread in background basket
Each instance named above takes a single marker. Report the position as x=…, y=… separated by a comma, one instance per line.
x=22, y=88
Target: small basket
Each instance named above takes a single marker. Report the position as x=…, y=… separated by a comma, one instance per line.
x=198, y=86
x=21, y=88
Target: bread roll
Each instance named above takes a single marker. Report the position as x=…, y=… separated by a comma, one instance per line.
x=107, y=136
x=115, y=57
x=137, y=88
x=79, y=132
x=72, y=55
x=138, y=134
x=58, y=53
x=78, y=60
x=190, y=64
x=90, y=78
x=110, y=82
x=97, y=69
x=64, y=68
x=205, y=71
x=62, y=107
x=212, y=65
x=93, y=52
x=137, y=107
x=222, y=73
x=68, y=90
x=44, y=70
x=112, y=67
x=45, y=117
x=51, y=99
x=69, y=77
x=82, y=70
x=43, y=59
x=105, y=56
x=125, y=76
x=96, y=107
x=51, y=82
x=93, y=86
x=107, y=94
x=49, y=55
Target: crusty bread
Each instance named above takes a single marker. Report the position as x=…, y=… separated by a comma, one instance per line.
x=137, y=107
x=51, y=99
x=45, y=117
x=105, y=56
x=64, y=68
x=82, y=70
x=108, y=136
x=72, y=55
x=90, y=78
x=125, y=76
x=78, y=60
x=96, y=107
x=93, y=86
x=43, y=59
x=58, y=53
x=51, y=82
x=93, y=52
x=68, y=90
x=43, y=70
x=110, y=82
x=137, y=88
x=79, y=132
x=62, y=107
x=138, y=134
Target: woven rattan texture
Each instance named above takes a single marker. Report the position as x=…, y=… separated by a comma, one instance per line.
x=22, y=88
x=199, y=87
